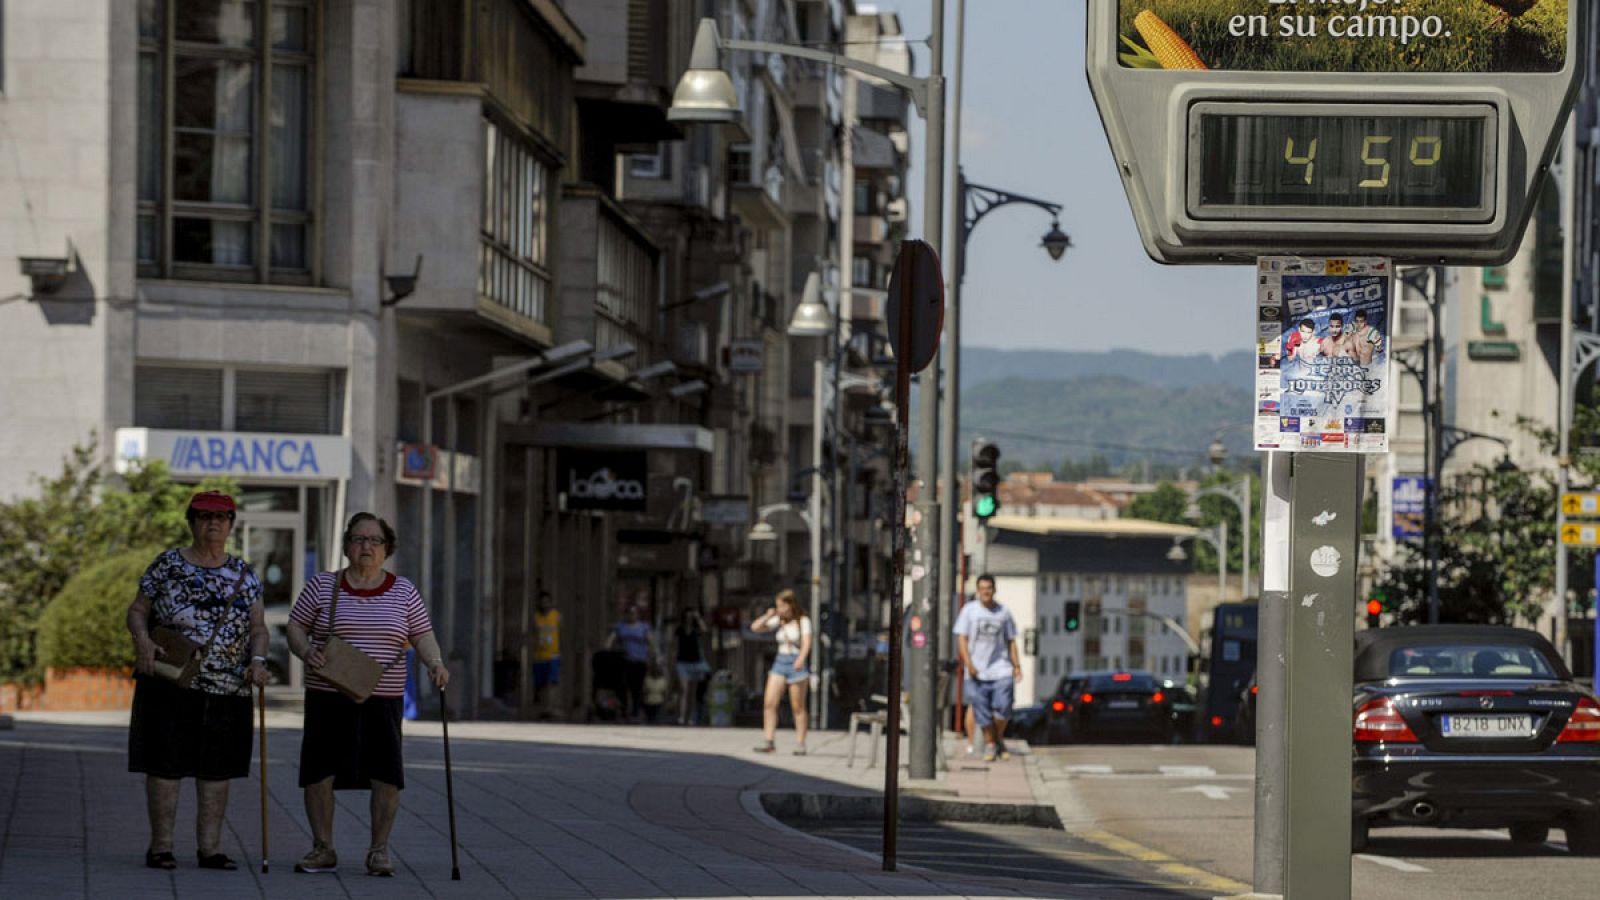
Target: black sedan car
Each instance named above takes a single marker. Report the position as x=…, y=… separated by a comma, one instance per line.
x=1466, y=726
x=1127, y=705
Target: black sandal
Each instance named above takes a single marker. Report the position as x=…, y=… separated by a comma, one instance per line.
x=218, y=861
x=163, y=860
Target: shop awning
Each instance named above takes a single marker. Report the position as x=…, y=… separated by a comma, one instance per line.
x=604, y=436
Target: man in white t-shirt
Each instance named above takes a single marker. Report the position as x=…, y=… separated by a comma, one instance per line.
x=987, y=640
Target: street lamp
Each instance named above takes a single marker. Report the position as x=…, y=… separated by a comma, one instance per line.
x=1217, y=537
x=972, y=203
x=1239, y=492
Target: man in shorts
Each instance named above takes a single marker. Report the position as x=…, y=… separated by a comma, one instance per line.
x=546, y=649
x=987, y=640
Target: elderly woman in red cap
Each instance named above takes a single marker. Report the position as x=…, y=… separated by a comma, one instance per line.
x=192, y=720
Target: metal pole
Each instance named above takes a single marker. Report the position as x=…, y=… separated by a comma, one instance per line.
x=823, y=651
x=928, y=591
x=1324, y=568
x=1244, y=512
x=814, y=526
x=1271, y=712
x=898, y=529
x=1222, y=561
x=1435, y=369
x=1568, y=378
x=950, y=421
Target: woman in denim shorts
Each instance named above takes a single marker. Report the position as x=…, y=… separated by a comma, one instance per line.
x=789, y=670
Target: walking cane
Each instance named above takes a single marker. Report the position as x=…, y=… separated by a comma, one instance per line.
x=261, y=695
x=449, y=786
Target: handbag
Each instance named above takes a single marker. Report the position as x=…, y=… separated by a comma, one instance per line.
x=181, y=658
x=347, y=668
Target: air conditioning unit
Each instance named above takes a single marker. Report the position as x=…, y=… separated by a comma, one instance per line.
x=693, y=346
x=896, y=210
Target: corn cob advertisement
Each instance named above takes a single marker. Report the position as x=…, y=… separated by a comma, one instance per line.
x=1323, y=374
x=1463, y=36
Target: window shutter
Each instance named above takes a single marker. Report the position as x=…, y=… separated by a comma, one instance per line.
x=286, y=402
x=174, y=397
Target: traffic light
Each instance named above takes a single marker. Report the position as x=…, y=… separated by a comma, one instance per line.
x=1374, y=611
x=1074, y=614
x=985, y=479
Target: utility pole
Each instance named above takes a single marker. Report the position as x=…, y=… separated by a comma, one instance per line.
x=950, y=421
x=927, y=591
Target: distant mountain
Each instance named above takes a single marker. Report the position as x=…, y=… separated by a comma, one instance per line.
x=1043, y=420
x=982, y=365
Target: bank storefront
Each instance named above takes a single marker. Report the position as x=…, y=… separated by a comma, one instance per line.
x=291, y=500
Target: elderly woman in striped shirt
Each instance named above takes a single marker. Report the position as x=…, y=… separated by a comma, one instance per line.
x=356, y=746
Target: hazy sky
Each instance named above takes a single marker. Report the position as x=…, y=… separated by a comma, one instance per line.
x=1030, y=126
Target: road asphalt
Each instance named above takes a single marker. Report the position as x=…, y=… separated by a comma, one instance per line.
x=553, y=811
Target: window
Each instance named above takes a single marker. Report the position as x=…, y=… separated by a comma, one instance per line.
x=513, y=268
x=861, y=272
x=175, y=397
x=225, y=178
x=625, y=289
x=650, y=165
x=1058, y=584
x=1055, y=624
x=229, y=399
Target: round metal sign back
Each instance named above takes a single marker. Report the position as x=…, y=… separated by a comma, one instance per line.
x=916, y=284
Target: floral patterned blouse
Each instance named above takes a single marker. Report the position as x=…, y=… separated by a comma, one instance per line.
x=199, y=601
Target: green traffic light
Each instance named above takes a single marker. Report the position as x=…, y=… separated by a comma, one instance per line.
x=984, y=506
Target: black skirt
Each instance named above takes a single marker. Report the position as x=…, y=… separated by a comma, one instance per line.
x=354, y=743
x=185, y=733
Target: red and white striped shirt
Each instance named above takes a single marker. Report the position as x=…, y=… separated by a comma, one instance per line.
x=378, y=621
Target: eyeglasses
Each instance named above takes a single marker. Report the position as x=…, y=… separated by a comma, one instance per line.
x=362, y=539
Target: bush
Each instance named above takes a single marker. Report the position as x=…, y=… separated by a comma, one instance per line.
x=86, y=624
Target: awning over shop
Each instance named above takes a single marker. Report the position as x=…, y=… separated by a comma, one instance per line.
x=604, y=436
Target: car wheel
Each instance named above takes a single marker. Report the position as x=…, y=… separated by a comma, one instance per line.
x=1360, y=831
x=1583, y=834
x=1530, y=833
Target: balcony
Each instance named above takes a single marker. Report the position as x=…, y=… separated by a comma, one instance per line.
x=609, y=287
x=477, y=215
x=624, y=80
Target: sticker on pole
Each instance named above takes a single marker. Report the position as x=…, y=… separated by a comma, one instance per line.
x=916, y=283
x=1335, y=36
x=1323, y=376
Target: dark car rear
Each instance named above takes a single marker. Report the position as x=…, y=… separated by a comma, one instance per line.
x=1128, y=705
x=1473, y=727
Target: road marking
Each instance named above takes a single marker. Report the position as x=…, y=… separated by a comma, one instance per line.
x=1399, y=865
x=1089, y=770
x=1188, y=771
x=1192, y=875
x=1211, y=791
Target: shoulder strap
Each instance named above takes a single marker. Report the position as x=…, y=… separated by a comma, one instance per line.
x=333, y=607
x=227, y=601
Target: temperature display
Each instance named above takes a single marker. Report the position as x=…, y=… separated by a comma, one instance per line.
x=1427, y=167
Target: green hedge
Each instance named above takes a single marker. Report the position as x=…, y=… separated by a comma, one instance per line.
x=86, y=624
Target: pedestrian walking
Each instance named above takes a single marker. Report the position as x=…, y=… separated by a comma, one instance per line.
x=200, y=643
x=346, y=745
x=689, y=657
x=633, y=634
x=546, y=648
x=987, y=641
x=788, y=671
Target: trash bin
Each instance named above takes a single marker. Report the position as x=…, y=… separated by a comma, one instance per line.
x=720, y=701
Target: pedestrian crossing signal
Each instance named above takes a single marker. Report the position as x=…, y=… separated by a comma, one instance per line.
x=1374, y=612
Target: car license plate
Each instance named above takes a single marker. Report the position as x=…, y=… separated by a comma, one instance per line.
x=1124, y=704
x=1482, y=726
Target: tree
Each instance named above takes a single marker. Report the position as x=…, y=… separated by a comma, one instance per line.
x=77, y=518
x=1164, y=504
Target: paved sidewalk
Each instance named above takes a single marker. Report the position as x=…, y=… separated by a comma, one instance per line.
x=542, y=810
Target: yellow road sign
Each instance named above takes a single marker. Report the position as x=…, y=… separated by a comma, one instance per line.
x=1583, y=505
x=1576, y=534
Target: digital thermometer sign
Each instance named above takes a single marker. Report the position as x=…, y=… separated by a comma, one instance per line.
x=1342, y=163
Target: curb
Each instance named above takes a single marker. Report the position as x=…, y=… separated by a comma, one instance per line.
x=790, y=806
